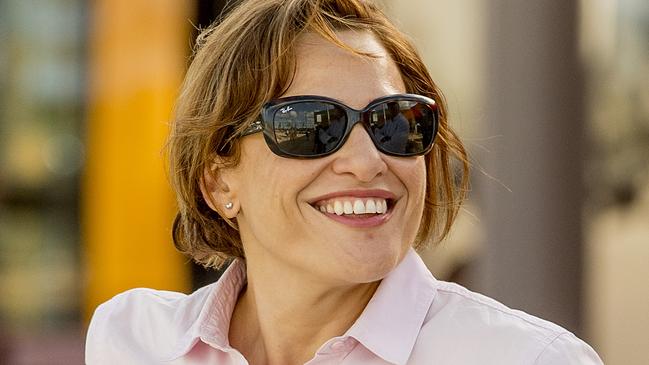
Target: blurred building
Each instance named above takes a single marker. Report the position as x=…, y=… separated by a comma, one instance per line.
x=552, y=98
x=42, y=154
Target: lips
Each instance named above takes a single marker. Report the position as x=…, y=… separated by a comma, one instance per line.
x=360, y=208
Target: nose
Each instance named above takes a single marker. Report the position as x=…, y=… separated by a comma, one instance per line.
x=359, y=157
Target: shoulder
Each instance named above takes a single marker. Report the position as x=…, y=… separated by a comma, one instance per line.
x=468, y=328
x=121, y=330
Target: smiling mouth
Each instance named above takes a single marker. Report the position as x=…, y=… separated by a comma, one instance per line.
x=351, y=207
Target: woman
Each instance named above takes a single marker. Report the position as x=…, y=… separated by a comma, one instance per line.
x=321, y=234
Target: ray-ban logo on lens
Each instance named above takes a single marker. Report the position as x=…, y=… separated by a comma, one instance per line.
x=286, y=110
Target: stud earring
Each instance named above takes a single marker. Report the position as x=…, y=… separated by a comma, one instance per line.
x=229, y=205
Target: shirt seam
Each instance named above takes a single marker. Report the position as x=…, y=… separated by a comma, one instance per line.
x=349, y=352
x=547, y=347
x=550, y=338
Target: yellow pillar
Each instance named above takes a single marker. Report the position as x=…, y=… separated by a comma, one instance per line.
x=137, y=56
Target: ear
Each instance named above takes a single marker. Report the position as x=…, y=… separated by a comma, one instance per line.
x=217, y=187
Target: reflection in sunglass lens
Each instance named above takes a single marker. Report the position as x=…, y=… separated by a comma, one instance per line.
x=402, y=127
x=309, y=128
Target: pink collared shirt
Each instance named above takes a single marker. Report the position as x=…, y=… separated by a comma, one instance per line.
x=411, y=319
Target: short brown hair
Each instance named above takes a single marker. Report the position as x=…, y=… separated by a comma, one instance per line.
x=248, y=59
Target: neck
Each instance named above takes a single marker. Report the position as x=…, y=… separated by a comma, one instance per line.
x=284, y=317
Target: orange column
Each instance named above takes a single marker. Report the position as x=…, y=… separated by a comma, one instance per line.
x=137, y=56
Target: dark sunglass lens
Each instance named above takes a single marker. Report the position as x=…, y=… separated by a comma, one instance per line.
x=309, y=128
x=403, y=127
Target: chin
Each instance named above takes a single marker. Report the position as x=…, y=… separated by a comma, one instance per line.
x=373, y=264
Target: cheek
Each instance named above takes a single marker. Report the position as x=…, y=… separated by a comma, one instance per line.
x=418, y=192
x=263, y=215
x=272, y=187
x=415, y=182
x=412, y=173
x=420, y=177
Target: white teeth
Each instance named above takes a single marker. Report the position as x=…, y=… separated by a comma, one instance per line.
x=370, y=206
x=356, y=206
x=338, y=208
x=379, y=207
x=348, y=208
x=359, y=207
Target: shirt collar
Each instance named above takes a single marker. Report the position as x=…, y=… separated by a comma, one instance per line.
x=213, y=321
x=390, y=324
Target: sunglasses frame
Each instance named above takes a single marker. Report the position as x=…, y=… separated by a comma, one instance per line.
x=265, y=121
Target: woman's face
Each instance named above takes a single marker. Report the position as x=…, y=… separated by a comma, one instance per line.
x=280, y=218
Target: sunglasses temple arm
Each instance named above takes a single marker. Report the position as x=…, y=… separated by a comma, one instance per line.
x=256, y=126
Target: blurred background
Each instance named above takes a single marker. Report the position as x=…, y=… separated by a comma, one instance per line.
x=551, y=98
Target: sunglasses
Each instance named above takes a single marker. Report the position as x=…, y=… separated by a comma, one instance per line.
x=316, y=126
